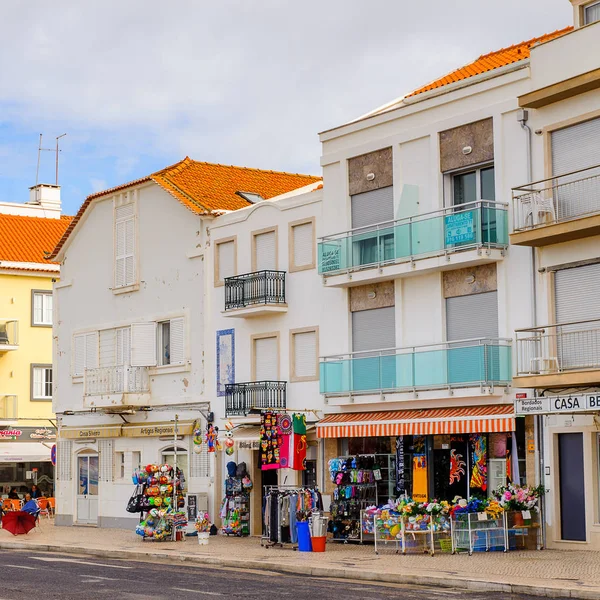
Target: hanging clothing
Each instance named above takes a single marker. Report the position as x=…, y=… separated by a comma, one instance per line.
x=269, y=441
x=299, y=441
x=420, y=483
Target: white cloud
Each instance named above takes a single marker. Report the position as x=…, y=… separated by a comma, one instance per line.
x=240, y=81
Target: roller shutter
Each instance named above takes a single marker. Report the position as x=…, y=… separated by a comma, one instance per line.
x=474, y=316
x=265, y=356
x=264, y=246
x=370, y=208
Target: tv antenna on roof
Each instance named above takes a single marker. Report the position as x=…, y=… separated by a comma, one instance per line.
x=40, y=150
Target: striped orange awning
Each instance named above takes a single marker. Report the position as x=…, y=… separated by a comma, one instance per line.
x=433, y=421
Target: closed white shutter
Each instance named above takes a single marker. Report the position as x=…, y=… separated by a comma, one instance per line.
x=91, y=350
x=370, y=208
x=85, y=352
x=143, y=344
x=265, y=356
x=123, y=346
x=105, y=460
x=226, y=252
x=577, y=293
x=374, y=329
x=265, y=248
x=38, y=382
x=64, y=454
x=125, y=245
x=78, y=354
x=473, y=316
x=303, y=244
x=305, y=354
x=576, y=147
x=177, y=341
x=107, y=348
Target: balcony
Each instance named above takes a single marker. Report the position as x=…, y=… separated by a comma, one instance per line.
x=252, y=396
x=563, y=355
x=255, y=294
x=8, y=408
x=461, y=364
x=9, y=335
x=460, y=236
x=557, y=210
x=116, y=387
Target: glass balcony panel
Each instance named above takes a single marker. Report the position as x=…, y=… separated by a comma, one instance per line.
x=431, y=368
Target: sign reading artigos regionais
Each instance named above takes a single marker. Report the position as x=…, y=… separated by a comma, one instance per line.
x=558, y=404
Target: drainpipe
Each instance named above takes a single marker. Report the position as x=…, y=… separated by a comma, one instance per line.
x=522, y=117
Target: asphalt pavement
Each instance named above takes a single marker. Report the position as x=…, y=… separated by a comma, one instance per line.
x=36, y=576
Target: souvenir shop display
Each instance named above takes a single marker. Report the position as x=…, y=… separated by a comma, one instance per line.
x=202, y=526
x=158, y=498
x=283, y=442
x=478, y=526
x=283, y=508
x=235, y=508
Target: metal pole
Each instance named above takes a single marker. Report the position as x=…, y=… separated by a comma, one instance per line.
x=174, y=534
x=57, y=151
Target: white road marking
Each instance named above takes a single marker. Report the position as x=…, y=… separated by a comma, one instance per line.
x=20, y=567
x=197, y=591
x=79, y=562
x=99, y=577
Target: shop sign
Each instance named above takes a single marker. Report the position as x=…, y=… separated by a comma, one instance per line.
x=249, y=445
x=157, y=429
x=28, y=434
x=90, y=433
x=558, y=404
x=459, y=228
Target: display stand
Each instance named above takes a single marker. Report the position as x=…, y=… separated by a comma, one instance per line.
x=477, y=532
x=237, y=515
x=523, y=530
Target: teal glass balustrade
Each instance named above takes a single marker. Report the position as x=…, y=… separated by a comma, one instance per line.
x=454, y=364
x=453, y=229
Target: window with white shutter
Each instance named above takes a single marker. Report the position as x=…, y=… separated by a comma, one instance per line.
x=266, y=359
x=106, y=455
x=107, y=348
x=171, y=342
x=125, y=243
x=85, y=352
x=123, y=346
x=64, y=457
x=265, y=251
x=225, y=261
x=304, y=354
x=143, y=344
x=302, y=246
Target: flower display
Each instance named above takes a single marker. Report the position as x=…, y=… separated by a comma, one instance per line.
x=519, y=498
x=203, y=523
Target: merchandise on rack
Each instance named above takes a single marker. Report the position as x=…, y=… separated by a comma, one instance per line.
x=235, y=508
x=283, y=507
x=157, y=497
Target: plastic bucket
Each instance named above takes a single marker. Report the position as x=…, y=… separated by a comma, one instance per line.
x=304, y=544
x=318, y=544
x=203, y=537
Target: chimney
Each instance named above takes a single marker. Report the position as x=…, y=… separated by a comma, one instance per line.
x=46, y=196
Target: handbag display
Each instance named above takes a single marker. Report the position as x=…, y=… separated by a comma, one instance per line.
x=135, y=502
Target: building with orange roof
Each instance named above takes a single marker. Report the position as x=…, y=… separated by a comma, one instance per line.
x=460, y=258
x=140, y=302
x=28, y=233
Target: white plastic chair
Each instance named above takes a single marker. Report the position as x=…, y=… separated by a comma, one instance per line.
x=542, y=207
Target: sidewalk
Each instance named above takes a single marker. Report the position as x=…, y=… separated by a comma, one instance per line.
x=548, y=573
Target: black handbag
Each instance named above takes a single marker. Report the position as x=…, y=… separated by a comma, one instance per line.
x=135, y=502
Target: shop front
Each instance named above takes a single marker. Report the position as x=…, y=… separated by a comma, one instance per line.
x=25, y=459
x=419, y=454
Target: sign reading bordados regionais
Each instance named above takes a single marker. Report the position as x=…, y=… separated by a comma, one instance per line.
x=558, y=404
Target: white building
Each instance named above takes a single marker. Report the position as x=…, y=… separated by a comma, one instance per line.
x=130, y=326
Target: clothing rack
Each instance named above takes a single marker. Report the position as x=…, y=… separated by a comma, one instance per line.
x=283, y=507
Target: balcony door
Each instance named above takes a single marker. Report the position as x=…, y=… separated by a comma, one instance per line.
x=576, y=293
x=574, y=148
x=470, y=318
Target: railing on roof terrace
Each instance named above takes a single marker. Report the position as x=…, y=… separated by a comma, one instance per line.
x=557, y=348
x=481, y=224
x=557, y=199
x=463, y=363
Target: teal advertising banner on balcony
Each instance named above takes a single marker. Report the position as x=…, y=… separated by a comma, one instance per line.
x=454, y=364
x=478, y=224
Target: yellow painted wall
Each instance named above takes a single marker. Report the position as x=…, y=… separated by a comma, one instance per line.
x=35, y=346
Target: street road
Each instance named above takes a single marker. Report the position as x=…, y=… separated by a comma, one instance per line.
x=41, y=576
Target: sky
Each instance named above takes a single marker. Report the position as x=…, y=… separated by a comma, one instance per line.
x=139, y=85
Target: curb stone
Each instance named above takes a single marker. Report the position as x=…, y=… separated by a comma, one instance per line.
x=455, y=582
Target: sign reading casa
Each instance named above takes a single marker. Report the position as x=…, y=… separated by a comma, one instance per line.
x=558, y=404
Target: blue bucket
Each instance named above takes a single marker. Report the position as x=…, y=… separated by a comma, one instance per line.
x=304, y=544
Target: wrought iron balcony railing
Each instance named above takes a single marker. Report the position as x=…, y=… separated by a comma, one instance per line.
x=116, y=380
x=243, y=398
x=463, y=363
x=557, y=199
x=556, y=348
x=260, y=287
x=482, y=224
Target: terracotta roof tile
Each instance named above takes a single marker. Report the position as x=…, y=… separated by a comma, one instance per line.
x=205, y=187
x=29, y=239
x=488, y=62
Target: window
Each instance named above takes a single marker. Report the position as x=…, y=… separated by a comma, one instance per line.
x=119, y=465
x=591, y=13
x=171, y=342
x=225, y=259
x=85, y=352
x=125, y=463
x=302, y=245
x=125, y=268
x=304, y=354
x=41, y=308
x=41, y=376
x=264, y=251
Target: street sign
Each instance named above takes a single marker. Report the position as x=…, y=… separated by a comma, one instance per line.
x=558, y=404
x=53, y=455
